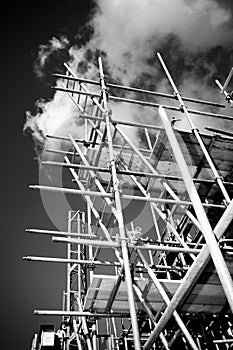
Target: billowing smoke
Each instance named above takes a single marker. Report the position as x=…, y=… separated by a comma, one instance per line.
x=193, y=37
x=57, y=117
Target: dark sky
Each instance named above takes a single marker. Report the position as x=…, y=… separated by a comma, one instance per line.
x=26, y=286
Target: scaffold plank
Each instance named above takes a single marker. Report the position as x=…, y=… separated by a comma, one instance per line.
x=206, y=297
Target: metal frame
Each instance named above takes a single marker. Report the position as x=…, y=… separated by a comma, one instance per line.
x=155, y=275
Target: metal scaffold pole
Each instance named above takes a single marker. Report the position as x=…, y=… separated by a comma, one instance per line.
x=121, y=224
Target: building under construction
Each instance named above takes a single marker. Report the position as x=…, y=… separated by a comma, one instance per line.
x=149, y=262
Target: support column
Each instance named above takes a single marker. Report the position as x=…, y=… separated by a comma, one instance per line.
x=119, y=217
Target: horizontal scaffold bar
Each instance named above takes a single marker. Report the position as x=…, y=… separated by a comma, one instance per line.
x=88, y=242
x=133, y=89
x=115, y=244
x=220, y=131
x=169, y=249
x=148, y=104
x=78, y=313
x=56, y=151
x=222, y=341
x=79, y=92
x=99, y=263
x=87, y=143
x=59, y=233
x=72, y=261
x=70, y=191
x=123, y=122
x=64, y=138
x=87, y=235
x=128, y=172
x=123, y=196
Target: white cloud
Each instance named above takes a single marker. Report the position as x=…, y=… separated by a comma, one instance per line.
x=130, y=30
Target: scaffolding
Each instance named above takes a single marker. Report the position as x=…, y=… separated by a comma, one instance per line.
x=163, y=285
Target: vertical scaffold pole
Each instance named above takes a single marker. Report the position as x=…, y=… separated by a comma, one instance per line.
x=119, y=214
x=94, y=336
x=218, y=260
x=68, y=278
